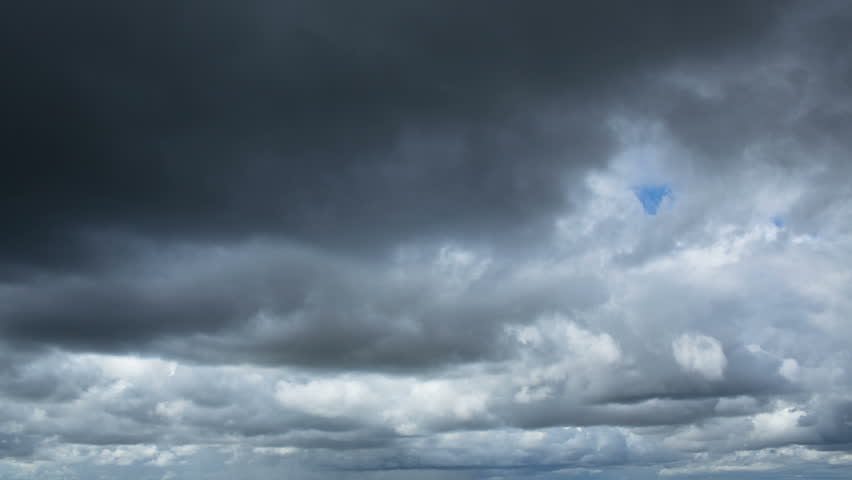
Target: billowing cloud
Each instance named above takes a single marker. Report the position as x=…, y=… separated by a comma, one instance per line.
x=426, y=240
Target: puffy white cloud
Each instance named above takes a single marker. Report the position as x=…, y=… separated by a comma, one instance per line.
x=701, y=354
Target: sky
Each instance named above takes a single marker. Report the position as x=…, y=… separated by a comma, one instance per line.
x=466, y=240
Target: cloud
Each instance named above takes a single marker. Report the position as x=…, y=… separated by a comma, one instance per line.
x=425, y=240
x=700, y=354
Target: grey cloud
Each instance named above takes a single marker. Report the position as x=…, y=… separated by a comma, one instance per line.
x=274, y=304
x=39, y=377
x=308, y=119
x=401, y=240
x=12, y=445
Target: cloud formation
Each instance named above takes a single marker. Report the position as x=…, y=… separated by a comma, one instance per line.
x=426, y=240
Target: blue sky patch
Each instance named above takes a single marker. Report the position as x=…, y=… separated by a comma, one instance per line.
x=651, y=196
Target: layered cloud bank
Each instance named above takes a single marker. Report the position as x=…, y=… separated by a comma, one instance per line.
x=426, y=240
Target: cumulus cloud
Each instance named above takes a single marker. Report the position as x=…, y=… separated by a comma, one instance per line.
x=700, y=354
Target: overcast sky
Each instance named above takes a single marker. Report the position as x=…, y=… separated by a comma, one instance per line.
x=458, y=239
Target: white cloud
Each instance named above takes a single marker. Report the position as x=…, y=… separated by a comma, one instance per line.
x=407, y=404
x=700, y=354
x=697, y=469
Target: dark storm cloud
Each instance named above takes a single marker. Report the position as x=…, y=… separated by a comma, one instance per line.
x=315, y=119
x=795, y=97
x=144, y=127
x=277, y=305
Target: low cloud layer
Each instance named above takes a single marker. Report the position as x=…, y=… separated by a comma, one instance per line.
x=426, y=240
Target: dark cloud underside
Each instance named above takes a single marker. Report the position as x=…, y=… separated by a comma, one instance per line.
x=208, y=120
